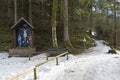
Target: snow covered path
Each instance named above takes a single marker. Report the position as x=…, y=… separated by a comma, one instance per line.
x=93, y=64
x=93, y=68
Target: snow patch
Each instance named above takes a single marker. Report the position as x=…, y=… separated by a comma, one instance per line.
x=4, y=55
x=93, y=64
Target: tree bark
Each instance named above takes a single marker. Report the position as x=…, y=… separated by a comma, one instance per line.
x=15, y=11
x=91, y=15
x=42, y=8
x=9, y=8
x=115, y=33
x=30, y=12
x=22, y=7
x=66, y=30
x=65, y=16
x=54, y=34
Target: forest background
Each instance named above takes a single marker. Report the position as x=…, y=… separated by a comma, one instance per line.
x=84, y=18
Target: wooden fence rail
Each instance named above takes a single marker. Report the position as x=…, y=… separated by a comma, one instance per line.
x=35, y=66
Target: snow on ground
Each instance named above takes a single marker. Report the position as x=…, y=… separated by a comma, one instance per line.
x=93, y=64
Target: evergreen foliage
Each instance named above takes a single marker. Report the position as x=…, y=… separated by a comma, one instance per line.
x=85, y=16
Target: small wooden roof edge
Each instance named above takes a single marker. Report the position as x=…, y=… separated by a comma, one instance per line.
x=24, y=20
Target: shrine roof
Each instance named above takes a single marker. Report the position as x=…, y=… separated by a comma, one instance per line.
x=21, y=21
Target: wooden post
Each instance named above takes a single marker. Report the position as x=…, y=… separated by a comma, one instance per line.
x=46, y=56
x=35, y=74
x=84, y=41
x=29, y=56
x=57, y=61
x=14, y=38
x=33, y=38
x=67, y=56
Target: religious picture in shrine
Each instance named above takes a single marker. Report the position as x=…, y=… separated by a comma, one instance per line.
x=24, y=36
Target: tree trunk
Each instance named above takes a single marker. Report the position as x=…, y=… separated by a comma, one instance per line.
x=3, y=5
x=30, y=12
x=42, y=8
x=9, y=8
x=66, y=30
x=15, y=11
x=115, y=34
x=65, y=16
x=54, y=35
x=22, y=8
x=91, y=15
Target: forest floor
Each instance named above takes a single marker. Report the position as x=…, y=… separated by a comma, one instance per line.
x=93, y=64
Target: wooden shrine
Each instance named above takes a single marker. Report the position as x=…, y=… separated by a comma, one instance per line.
x=23, y=38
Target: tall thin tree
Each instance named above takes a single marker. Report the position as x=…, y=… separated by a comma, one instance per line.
x=115, y=33
x=65, y=16
x=54, y=34
x=30, y=12
x=66, y=29
x=15, y=11
x=22, y=7
x=91, y=15
x=9, y=8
